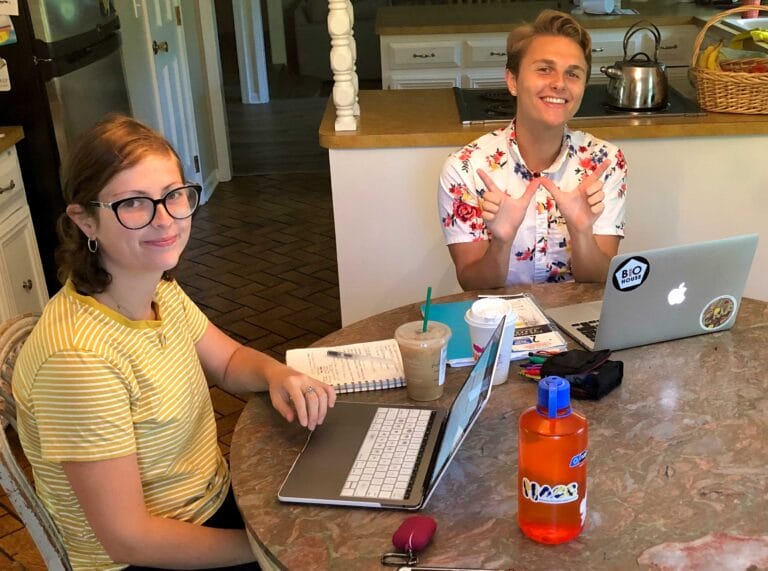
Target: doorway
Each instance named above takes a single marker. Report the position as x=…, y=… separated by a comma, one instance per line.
x=281, y=135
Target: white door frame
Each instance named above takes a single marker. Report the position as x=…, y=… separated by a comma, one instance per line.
x=251, y=51
x=212, y=62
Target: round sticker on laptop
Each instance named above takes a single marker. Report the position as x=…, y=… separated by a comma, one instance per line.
x=631, y=273
x=718, y=312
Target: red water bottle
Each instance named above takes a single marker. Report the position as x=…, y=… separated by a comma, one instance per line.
x=552, y=466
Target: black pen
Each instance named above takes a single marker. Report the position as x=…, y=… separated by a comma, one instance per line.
x=358, y=357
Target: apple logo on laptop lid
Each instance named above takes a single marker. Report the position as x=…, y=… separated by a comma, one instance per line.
x=676, y=296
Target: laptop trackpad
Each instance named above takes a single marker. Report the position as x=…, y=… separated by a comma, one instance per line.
x=321, y=469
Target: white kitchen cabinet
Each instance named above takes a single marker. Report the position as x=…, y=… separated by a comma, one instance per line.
x=415, y=53
x=417, y=62
x=479, y=60
x=676, y=45
x=485, y=62
x=22, y=284
x=475, y=60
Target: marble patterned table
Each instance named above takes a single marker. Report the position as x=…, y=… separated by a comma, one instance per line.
x=677, y=452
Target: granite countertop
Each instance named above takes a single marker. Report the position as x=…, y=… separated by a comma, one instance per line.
x=676, y=454
x=483, y=18
x=429, y=118
x=9, y=136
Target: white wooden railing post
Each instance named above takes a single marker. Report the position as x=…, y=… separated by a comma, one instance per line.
x=341, y=20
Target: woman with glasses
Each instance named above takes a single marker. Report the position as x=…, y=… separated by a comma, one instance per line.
x=114, y=409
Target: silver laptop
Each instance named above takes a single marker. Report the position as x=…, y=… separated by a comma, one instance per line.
x=658, y=295
x=388, y=456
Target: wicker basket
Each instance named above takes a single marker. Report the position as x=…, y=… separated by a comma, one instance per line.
x=731, y=89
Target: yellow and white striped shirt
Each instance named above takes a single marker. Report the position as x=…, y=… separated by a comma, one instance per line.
x=92, y=385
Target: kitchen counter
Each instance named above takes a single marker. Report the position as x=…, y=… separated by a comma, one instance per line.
x=483, y=18
x=428, y=117
x=9, y=136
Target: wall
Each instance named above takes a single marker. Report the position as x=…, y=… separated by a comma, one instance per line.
x=390, y=247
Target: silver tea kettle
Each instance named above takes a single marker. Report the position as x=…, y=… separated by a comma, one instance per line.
x=638, y=82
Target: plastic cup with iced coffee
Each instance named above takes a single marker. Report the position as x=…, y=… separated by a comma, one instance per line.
x=424, y=355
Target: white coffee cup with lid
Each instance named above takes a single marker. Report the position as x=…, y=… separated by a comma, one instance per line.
x=482, y=319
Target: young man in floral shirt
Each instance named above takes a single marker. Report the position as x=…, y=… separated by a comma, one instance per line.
x=536, y=201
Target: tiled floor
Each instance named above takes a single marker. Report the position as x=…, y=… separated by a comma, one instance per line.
x=262, y=264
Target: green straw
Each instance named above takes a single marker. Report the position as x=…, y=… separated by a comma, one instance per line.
x=426, y=310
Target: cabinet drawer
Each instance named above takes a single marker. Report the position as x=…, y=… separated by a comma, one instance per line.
x=486, y=79
x=486, y=52
x=11, y=187
x=676, y=46
x=417, y=55
x=429, y=79
x=22, y=285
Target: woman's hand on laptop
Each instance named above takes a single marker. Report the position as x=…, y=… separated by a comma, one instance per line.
x=581, y=206
x=296, y=395
x=502, y=213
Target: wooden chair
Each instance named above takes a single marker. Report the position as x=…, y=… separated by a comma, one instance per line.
x=20, y=491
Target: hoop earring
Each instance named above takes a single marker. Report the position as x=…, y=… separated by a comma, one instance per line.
x=93, y=245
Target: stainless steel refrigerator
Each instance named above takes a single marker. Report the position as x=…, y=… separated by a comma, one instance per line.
x=65, y=73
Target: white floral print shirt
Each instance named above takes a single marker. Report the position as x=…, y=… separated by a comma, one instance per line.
x=541, y=249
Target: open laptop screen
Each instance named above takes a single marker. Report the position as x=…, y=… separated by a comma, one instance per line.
x=467, y=404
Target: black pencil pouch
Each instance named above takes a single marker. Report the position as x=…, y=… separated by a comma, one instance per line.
x=591, y=374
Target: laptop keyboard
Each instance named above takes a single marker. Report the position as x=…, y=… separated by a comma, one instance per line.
x=386, y=462
x=588, y=328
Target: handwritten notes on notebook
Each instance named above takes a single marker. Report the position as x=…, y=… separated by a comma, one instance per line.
x=352, y=368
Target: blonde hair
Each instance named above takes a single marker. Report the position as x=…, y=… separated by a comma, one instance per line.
x=548, y=23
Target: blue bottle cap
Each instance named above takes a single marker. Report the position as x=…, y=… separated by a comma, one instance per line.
x=554, y=395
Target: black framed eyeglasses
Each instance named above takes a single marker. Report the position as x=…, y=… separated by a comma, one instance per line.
x=137, y=212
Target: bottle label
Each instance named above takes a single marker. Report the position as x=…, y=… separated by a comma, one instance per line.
x=550, y=494
x=578, y=459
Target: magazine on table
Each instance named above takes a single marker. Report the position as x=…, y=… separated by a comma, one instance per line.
x=533, y=330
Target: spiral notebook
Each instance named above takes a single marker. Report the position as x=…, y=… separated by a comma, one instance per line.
x=353, y=368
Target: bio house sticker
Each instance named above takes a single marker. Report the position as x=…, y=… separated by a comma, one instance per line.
x=631, y=273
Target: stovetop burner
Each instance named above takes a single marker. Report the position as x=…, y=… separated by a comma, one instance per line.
x=496, y=95
x=506, y=110
x=496, y=105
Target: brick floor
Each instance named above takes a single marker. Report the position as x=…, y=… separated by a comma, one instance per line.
x=261, y=263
